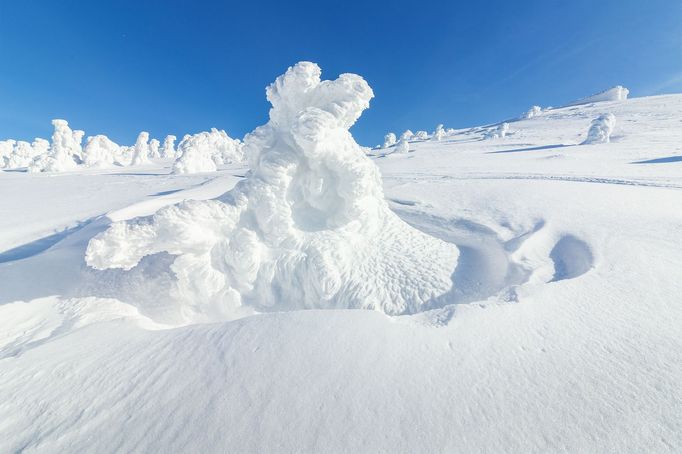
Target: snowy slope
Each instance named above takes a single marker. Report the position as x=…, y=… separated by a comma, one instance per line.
x=564, y=334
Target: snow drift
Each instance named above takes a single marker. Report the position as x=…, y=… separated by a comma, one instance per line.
x=308, y=228
x=617, y=93
x=601, y=129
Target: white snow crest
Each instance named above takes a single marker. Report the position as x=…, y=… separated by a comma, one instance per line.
x=308, y=228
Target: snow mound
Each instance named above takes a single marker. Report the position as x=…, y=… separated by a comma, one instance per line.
x=63, y=154
x=308, y=228
x=601, y=129
x=617, y=93
x=204, y=151
x=407, y=135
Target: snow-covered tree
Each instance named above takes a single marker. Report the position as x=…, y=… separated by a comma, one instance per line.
x=389, y=140
x=439, y=133
x=532, y=112
x=421, y=135
x=204, y=151
x=403, y=146
x=601, y=129
x=499, y=132
x=64, y=149
x=100, y=152
x=407, y=135
x=168, y=148
x=141, y=150
x=154, y=149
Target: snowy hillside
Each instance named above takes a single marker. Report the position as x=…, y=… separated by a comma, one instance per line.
x=526, y=287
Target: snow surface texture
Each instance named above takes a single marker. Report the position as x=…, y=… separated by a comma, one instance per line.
x=565, y=336
x=617, y=93
x=601, y=129
x=308, y=228
x=205, y=151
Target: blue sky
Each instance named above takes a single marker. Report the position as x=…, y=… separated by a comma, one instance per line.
x=118, y=67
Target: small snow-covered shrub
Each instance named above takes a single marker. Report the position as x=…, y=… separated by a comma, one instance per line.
x=204, y=151
x=439, y=133
x=601, y=129
x=421, y=135
x=389, y=140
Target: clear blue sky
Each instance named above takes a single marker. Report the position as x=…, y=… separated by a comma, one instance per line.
x=118, y=67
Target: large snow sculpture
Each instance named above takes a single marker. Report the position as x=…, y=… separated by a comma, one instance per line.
x=601, y=129
x=308, y=228
x=204, y=151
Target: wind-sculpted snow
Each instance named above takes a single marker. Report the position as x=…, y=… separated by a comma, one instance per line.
x=601, y=129
x=498, y=133
x=389, y=140
x=617, y=93
x=439, y=133
x=141, y=150
x=168, y=147
x=308, y=228
x=204, y=151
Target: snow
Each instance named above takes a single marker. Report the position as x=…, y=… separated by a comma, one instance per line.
x=65, y=148
x=308, y=228
x=168, y=148
x=154, y=149
x=402, y=147
x=421, y=135
x=100, y=152
x=141, y=150
x=500, y=132
x=560, y=332
x=532, y=112
x=617, y=93
x=438, y=134
x=389, y=140
x=205, y=151
x=601, y=129
x=407, y=135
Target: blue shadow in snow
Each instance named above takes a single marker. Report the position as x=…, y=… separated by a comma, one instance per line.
x=37, y=246
x=660, y=160
x=544, y=147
